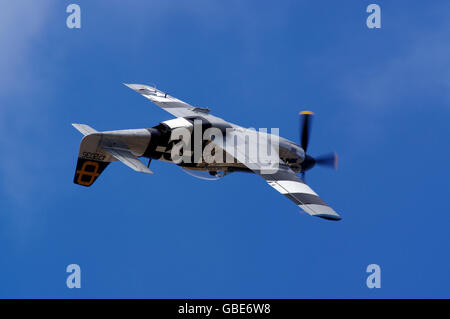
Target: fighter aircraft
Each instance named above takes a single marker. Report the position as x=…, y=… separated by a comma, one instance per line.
x=277, y=160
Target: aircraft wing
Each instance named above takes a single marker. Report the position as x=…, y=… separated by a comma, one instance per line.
x=277, y=174
x=173, y=105
x=293, y=187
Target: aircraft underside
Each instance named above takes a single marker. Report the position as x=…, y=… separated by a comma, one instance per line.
x=198, y=141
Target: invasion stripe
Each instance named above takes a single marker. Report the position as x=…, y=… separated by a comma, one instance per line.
x=306, y=199
x=178, y=122
x=325, y=212
x=285, y=187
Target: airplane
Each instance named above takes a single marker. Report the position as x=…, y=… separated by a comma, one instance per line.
x=279, y=169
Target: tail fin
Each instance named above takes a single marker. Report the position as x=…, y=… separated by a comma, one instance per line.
x=98, y=149
x=84, y=129
x=92, y=159
x=88, y=170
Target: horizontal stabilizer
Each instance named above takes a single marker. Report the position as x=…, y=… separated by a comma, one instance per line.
x=84, y=129
x=128, y=158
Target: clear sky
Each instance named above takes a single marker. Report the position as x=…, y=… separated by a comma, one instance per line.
x=381, y=99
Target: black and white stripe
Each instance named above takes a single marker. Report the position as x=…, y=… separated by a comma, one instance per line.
x=287, y=183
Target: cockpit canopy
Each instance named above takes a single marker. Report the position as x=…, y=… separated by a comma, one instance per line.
x=205, y=175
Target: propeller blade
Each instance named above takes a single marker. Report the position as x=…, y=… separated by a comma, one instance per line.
x=328, y=160
x=305, y=119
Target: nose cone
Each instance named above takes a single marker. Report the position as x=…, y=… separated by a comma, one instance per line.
x=308, y=163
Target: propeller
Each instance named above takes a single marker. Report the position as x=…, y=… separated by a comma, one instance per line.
x=326, y=160
x=305, y=119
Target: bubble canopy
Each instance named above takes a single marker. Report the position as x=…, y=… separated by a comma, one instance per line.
x=205, y=175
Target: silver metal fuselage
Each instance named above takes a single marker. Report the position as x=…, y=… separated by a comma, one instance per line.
x=156, y=143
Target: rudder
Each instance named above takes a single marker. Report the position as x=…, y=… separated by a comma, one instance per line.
x=92, y=159
x=88, y=171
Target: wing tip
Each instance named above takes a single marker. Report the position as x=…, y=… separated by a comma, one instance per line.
x=329, y=217
x=84, y=129
x=322, y=211
x=147, y=171
x=135, y=86
x=132, y=86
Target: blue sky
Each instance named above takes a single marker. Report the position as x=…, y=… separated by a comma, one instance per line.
x=381, y=99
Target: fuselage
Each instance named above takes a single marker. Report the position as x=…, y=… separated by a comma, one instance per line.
x=161, y=143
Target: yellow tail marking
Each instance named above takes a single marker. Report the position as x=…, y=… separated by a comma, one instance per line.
x=83, y=172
